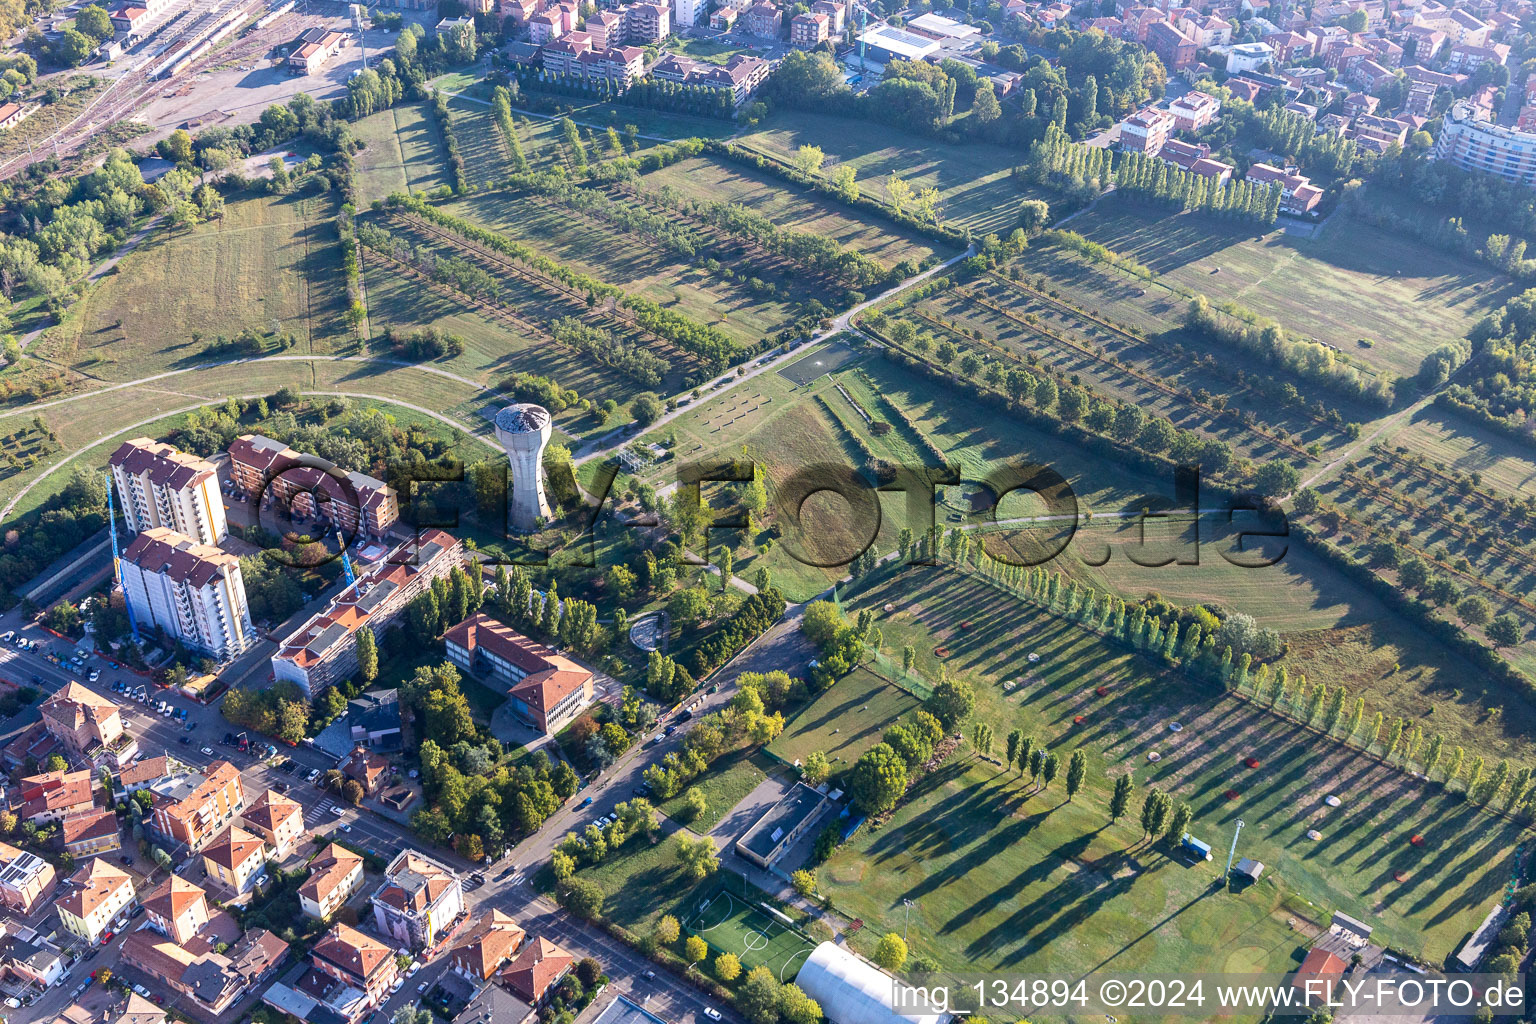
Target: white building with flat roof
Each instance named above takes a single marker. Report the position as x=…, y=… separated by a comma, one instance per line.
x=1473, y=143
x=885, y=43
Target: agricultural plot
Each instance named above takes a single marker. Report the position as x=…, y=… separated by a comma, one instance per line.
x=1441, y=438
x=713, y=180
x=493, y=347
x=846, y=720
x=423, y=153
x=1354, y=283
x=974, y=180
x=488, y=157
x=1147, y=362
x=980, y=320
x=737, y=307
x=271, y=264
x=1001, y=877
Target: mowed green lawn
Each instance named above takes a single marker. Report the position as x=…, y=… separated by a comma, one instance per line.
x=379, y=167
x=973, y=180
x=787, y=206
x=846, y=720
x=271, y=263
x=1504, y=464
x=634, y=264
x=1001, y=878
x=1354, y=282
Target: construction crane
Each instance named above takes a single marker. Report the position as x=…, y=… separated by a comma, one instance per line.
x=346, y=563
x=117, y=563
x=863, y=35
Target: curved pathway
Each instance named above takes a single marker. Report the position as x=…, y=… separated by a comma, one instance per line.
x=198, y=405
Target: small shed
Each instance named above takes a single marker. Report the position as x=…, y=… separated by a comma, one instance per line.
x=1249, y=869
x=1194, y=847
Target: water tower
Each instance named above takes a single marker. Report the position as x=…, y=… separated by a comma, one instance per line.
x=523, y=431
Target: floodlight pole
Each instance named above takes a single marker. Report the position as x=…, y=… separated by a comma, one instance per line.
x=1233, y=852
x=908, y=905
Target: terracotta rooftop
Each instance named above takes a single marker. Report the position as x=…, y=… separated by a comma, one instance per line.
x=353, y=952
x=167, y=466
x=163, y=551
x=329, y=870
x=94, y=883
x=172, y=896
x=234, y=847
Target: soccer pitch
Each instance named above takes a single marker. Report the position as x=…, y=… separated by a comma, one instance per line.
x=730, y=924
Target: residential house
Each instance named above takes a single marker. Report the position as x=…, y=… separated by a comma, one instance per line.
x=191, y=809
x=536, y=970
x=237, y=858
x=368, y=769
x=52, y=796
x=1298, y=196
x=1357, y=103
x=84, y=722
x=88, y=833
x=419, y=900
x=742, y=74
x=494, y=1005
x=29, y=958
x=356, y=960
x=1249, y=57
x=836, y=15
x=1174, y=48
x=278, y=820
x=723, y=19
x=193, y=591
x=1146, y=130
x=1183, y=154
x=334, y=877
x=1194, y=110
x=1465, y=58
x=485, y=946
x=373, y=720
x=1214, y=169
x=26, y=880
x=157, y=485
x=546, y=689
x=764, y=20
x=209, y=982
x=808, y=30
x=147, y=773
x=544, y=28
x=177, y=908
x=99, y=891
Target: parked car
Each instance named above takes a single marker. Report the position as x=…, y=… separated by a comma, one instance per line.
x=711, y=1013
x=314, y=773
x=205, y=751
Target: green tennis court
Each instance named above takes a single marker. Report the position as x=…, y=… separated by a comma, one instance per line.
x=731, y=924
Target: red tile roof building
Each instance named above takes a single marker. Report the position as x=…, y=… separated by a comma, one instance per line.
x=545, y=689
x=419, y=901
x=51, y=796
x=353, y=958
x=88, y=833
x=177, y=908
x=192, y=809
x=334, y=877
x=308, y=485
x=193, y=591
x=537, y=969
x=157, y=485
x=487, y=944
x=323, y=650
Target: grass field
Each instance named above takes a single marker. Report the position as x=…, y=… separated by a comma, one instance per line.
x=715, y=181
x=731, y=923
x=1001, y=877
x=379, y=168
x=1354, y=282
x=973, y=179
x=846, y=720
x=421, y=146
x=271, y=263
x=725, y=783
x=1501, y=461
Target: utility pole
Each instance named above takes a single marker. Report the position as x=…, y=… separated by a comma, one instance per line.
x=1233, y=852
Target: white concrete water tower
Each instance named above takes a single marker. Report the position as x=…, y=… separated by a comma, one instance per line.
x=523, y=431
